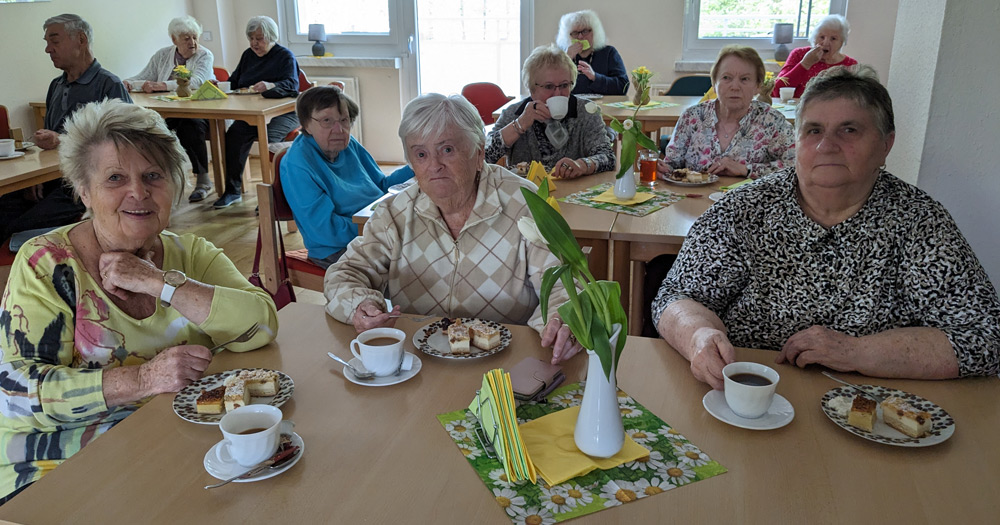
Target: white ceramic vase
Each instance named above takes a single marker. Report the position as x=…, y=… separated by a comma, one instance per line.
x=599, y=431
x=625, y=186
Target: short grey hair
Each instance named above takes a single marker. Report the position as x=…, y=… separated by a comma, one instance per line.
x=859, y=84
x=126, y=126
x=73, y=24
x=184, y=25
x=585, y=18
x=544, y=57
x=266, y=26
x=433, y=114
x=831, y=22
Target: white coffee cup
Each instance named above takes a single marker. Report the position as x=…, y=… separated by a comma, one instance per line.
x=225, y=87
x=558, y=106
x=6, y=147
x=252, y=434
x=377, y=356
x=786, y=93
x=749, y=400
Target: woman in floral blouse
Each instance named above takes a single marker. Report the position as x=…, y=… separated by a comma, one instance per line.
x=101, y=315
x=835, y=262
x=734, y=134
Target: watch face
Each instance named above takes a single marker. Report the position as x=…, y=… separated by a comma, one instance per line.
x=174, y=278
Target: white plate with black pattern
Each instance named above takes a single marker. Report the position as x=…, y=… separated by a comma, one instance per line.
x=942, y=424
x=712, y=179
x=185, y=401
x=433, y=339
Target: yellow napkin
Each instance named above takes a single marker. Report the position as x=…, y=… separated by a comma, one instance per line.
x=549, y=441
x=536, y=173
x=494, y=406
x=208, y=91
x=709, y=95
x=609, y=196
x=585, y=43
x=737, y=185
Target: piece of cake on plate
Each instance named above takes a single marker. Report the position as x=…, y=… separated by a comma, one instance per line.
x=237, y=394
x=211, y=401
x=904, y=417
x=458, y=338
x=260, y=383
x=484, y=336
x=862, y=414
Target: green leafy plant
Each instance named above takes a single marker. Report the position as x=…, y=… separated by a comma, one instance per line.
x=594, y=306
x=631, y=129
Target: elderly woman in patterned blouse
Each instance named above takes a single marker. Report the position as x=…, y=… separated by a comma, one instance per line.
x=835, y=262
x=578, y=144
x=448, y=245
x=734, y=134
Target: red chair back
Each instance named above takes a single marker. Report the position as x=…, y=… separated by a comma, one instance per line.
x=487, y=97
x=221, y=74
x=282, y=211
x=4, y=123
x=304, y=82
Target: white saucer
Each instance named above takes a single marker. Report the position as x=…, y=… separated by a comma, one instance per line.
x=224, y=470
x=716, y=197
x=387, y=380
x=14, y=156
x=778, y=415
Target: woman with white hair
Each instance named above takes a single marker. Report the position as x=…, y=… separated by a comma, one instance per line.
x=158, y=75
x=827, y=39
x=448, y=245
x=265, y=66
x=602, y=71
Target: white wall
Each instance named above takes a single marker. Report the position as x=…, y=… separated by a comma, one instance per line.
x=948, y=113
x=126, y=33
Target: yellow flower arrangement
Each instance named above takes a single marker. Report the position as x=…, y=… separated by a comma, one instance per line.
x=183, y=72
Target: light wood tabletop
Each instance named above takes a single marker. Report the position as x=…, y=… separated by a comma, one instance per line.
x=34, y=167
x=379, y=455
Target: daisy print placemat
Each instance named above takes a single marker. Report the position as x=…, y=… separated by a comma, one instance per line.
x=673, y=461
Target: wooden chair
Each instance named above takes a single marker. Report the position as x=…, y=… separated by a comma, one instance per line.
x=274, y=210
x=487, y=97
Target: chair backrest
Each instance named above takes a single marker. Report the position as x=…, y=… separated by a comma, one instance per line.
x=282, y=211
x=338, y=84
x=221, y=74
x=690, y=86
x=4, y=123
x=487, y=97
x=304, y=82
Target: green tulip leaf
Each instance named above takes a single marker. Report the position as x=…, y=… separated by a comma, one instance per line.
x=556, y=231
x=549, y=279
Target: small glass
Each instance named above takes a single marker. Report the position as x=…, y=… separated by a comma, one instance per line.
x=647, y=167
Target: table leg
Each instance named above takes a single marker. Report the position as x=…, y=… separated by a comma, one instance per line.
x=635, y=316
x=265, y=157
x=620, y=271
x=217, y=145
x=598, y=258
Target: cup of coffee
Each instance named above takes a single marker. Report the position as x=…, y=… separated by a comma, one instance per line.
x=6, y=147
x=558, y=106
x=252, y=434
x=379, y=349
x=786, y=93
x=749, y=388
x=225, y=86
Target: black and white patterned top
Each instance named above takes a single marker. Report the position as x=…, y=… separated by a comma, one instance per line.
x=768, y=271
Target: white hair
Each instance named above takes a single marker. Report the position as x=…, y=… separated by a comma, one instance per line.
x=266, y=26
x=184, y=25
x=73, y=24
x=585, y=18
x=831, y=22
x=432, y=114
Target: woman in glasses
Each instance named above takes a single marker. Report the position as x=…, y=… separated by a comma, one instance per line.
x=602, y=70
x=327, y=176
x=575, y=144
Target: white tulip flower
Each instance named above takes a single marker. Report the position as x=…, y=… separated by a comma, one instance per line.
x=528, y=228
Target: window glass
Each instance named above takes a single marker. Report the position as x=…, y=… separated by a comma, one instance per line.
x=344, y=17
x=756, y=18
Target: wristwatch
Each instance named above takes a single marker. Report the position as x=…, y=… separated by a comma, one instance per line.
x=172, y=280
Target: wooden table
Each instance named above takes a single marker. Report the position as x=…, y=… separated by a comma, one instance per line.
x=36, y=166
x=378, y=455
x=252, y=109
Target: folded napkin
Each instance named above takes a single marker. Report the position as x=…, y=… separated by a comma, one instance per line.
x=585, y=44
x=537, y=173
x=549, y=441
x=609, y=196
x=208, y=91
x=737, y=185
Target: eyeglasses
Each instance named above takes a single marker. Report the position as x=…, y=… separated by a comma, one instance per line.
x=552, y=87
x=328, y=123
x=582, y=32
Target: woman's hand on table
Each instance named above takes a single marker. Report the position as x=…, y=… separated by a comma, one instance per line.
x=152, y=87
x=557, y=336
x=173, y=369
x=711, y=352
x=584, y=68
x=259, y=87
x=370, y=314
x=46, y=139
x=123, y=271
x=568, y=168
x=821, y=345
x=663, y=170
x=728, y=166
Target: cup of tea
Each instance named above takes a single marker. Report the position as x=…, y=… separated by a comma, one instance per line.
x=6, y=147
x=379, y=349
x=647, y=167
x=749, y=388
x=558, y=106
x=786, y=93
x=225, y=86
x=252, y=434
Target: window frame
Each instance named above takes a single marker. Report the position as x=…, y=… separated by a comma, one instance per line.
x=695, y=48
x=355, y=45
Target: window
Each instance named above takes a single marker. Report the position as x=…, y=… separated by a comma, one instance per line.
x=343, y=17
x=711, y=24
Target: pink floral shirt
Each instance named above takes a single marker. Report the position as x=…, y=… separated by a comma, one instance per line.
x=764, y=142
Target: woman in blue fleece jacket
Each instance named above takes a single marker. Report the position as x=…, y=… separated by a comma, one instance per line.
x=327, y=175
